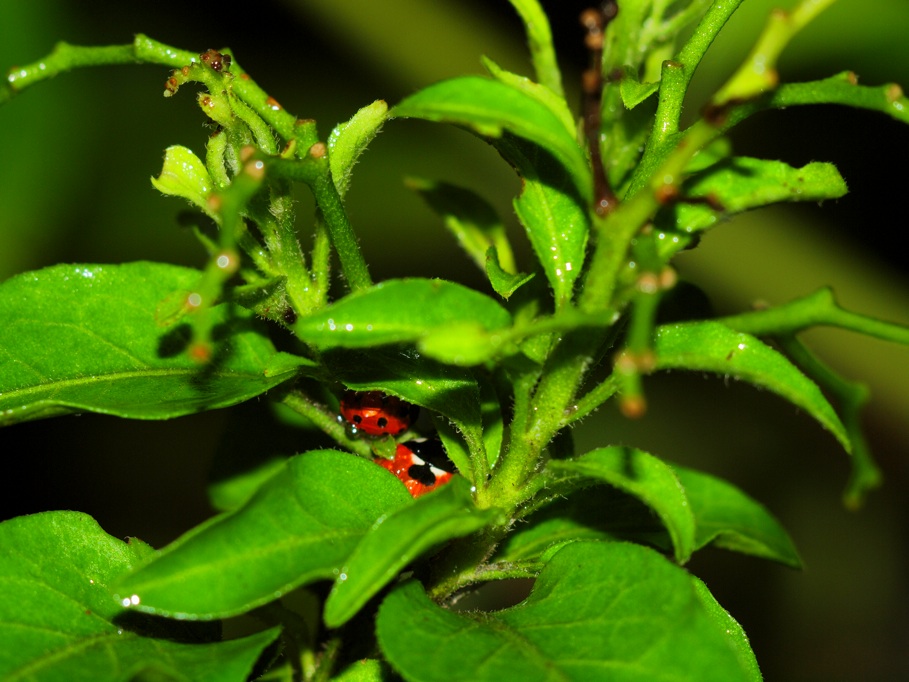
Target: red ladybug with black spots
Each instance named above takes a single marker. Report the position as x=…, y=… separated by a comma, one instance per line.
x=421, y=465
x=377, y=414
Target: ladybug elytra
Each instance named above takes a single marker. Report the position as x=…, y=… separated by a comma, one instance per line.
x=377, y=414
x=421, y=465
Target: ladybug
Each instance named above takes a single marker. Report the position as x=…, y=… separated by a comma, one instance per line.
x=421, y=465
x=377, y=414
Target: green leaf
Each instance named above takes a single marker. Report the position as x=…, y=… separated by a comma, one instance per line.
x=742, y=183
x=647, y=478
x=469, y=217
x=503, y=282
x=299, y=527
x=465, y=344
x=843, y=88
x=633, y=90
x=728, y=518
x=364, y=670
x=493, y=422
x=398, y=539
x=489, y=108
x=399, y=311
x=556, y=221
x=58, y=621
x=266, y=299
x=714, y=347
x=348, y=140
x=184, y=175
x=734, y=632
x=598, y=611
x=555, y=103
x=85, y=337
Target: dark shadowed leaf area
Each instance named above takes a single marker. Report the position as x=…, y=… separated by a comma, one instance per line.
x=400, y=538
x=647, y=478
x=86, y=337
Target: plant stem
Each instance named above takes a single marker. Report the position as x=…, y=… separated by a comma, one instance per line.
x=539, y=39
x=852, y=398
x=817, y=309
x=326, y=421
x=315, y=172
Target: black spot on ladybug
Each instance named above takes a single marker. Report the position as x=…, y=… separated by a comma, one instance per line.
x=421, y=465
x=422, y=473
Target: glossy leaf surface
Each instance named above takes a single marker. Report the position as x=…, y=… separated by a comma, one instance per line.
x=598, y=611
x=714, y=347
x=490, y=107
x=552, y=214
x=399, y=311
x=85, y=337
x=58, y=620
x=299, y=527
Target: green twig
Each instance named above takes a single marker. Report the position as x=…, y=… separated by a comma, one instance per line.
x=758, y=72
x=314, y=171
x=326, y=421
x=64, y=57
x=851, y=398
x=677, y=72
x=813, y=310
x=842, y=88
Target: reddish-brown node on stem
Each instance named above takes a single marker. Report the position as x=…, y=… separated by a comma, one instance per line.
x=648, y=283
x=318, y=150
x=171, y=85
x=667, y=193
x=633, y=406
x=628, y=362
x=216, y=60
x=893, y=92
x=592, y=20
x=246, y=153
x=255, y=169
x=590, y=81
x=200, y=352
x=668, y=278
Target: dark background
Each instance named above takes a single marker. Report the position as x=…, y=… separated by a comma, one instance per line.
x=78, y=152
